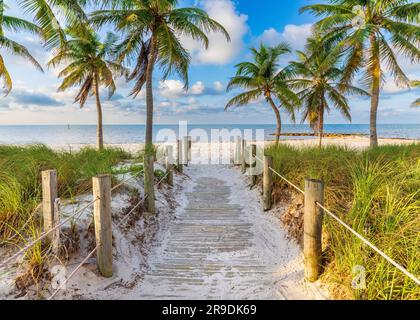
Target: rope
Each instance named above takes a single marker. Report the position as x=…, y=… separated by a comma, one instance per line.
x=163, y=178
x=74, y=272
x=45, y=234
x=386, y=257
x=126, y=180
x=27, y=222
x=131, y=211
x=292, y=184
x=372, y=246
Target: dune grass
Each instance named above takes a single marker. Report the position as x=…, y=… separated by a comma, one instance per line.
x=377, y=192
x=20, y=178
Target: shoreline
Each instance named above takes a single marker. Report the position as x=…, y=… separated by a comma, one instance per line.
x=350, y=141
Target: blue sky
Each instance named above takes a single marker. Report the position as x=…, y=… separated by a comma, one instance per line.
x=34, y=99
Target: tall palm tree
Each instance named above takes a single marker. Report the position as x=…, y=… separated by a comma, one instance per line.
x=263, y=78
x=13, y=24
x=151, y=30
x=89, y=67
x=52, y=16
x=319, y=86
x=371, y=33
x=416, y=84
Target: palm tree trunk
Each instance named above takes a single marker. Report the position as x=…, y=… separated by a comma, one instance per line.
x=376, y=82
x=99, y=129
x=321, y=123
x=149, y=96
x=148, y=150
x=278, y=118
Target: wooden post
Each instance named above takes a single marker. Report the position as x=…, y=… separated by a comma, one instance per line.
x=170, y=174
x=179, y=156
x=56, y=234
x=103, y=223
x=185, y=143
x=238, y=150
x=169, y=165
x=149, y=181
x=314, y=192
x=252, y=163
x=243, y=155
x=169, y=158
x=189, y=148
x=49, y=194
x=267, y=183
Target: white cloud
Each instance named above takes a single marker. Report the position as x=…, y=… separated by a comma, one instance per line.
x=220, y=51
x=171, y=89
x=295, y=35
x=197, y=88
x=174, y=89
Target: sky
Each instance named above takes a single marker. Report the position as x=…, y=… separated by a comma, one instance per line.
x=35, y=100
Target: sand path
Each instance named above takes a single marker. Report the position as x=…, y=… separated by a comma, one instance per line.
x=223, y=246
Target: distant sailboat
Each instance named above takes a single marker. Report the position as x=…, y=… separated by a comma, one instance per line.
x=68, y=126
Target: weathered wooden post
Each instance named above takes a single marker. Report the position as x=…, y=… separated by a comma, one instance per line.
x=243, y=155
x=313, y=215
x=103, y=223
x=185, y=144
x=149, y=179
x=170, y=174
x=252, y=163
x=56, y=233
x=169, y=158
x=169, y=165
x=179, y=156
x=238, y=150
x=189, y=148
x=267, y=183
x=49, y=194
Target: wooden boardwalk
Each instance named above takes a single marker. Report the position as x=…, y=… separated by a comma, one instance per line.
x=215, y=250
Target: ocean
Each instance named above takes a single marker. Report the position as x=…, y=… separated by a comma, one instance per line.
x=125, y=134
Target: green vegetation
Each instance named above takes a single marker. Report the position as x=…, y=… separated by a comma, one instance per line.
x=88, y=67
x=316, y=76
x=371, y=34
x=9, y=23
x=377, y=192
x=263, y=78
x=20, y=178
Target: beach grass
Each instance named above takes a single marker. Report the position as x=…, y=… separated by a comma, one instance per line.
x=375, y=191
x=20, y=178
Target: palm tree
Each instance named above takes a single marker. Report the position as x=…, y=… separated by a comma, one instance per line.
x=89, y=67
x=319, y=86
x=8, y=23
x=151, y=30
x=371, y=33
x=416, y=84
x=263, y=78
x=45, y=15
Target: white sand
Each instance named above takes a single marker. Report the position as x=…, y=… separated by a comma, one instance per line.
x=356, y=142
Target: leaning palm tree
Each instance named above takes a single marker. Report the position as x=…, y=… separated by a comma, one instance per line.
x=416, y=84
x=89, y=67
x=9, y=23
x=263, y=78
x=371, y=33
x=151, y=31
x=317, y=74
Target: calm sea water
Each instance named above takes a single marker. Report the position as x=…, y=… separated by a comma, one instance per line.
x=121, y=134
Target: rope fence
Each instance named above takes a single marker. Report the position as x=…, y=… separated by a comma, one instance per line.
x=102, y=208
x=312, y=240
